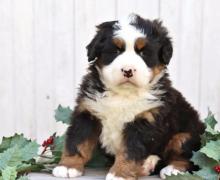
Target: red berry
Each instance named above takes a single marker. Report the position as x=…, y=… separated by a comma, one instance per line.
x=44, y=144
x=217, y=168
x=50, y=141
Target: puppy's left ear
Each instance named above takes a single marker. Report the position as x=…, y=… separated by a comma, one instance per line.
x=93, y=48
x=166, y=48
x=166, y=51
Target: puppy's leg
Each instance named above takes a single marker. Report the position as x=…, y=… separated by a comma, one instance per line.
x=81, y=139
x=136, y=157
x=177, y=154
x=123, y=169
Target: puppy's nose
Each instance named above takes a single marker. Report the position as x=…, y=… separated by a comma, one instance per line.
x=127, y=72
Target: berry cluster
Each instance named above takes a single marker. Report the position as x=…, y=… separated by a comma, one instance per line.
x=217, y=168
x=48, y=142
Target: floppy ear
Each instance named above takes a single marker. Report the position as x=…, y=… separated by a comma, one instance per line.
x=94, y=48
x=166, y=51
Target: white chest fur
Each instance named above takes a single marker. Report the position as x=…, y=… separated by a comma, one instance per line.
x=115, y=111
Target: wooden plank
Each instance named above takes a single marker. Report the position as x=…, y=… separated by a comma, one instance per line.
x=210, y=78
x=125, y=7
x=44, y=68
x=148, y=9
x=83, y=32
x=170, y=13
x=189, y=57
x=23, y=67
x=6, y=69
x=105, y=11
x=63, y=55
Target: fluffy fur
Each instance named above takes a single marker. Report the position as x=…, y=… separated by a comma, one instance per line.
x=126, y=103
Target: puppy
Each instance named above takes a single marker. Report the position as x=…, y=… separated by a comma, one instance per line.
x=127, y=104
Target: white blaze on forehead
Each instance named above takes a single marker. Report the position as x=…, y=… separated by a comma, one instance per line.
x=128, y=32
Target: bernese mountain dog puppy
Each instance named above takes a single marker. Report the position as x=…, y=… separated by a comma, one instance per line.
x=126, y=103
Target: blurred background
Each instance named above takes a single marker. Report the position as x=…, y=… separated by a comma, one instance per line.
x=43, y=55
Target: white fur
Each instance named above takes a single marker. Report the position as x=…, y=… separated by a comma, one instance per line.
x=168, y=171
x=62, y=171
x=123, y=100
x=119, y=106
x=150, y=163
x=112, y=74
x=111, y=176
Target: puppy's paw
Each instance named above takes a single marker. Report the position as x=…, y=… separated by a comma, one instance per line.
x=168, y=171
x=149, y=164
x=72, y=172
x=111, y=176
x=62, y=171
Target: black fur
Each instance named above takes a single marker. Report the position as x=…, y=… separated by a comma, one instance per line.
x=141, y=138
x=83, y=126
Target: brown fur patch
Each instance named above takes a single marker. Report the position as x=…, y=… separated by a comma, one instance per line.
x=149, y=115
x=119, y=42
x=157, y=70
x=176, y=142
x=79, y=160
x=140, y=43
x=125, y=168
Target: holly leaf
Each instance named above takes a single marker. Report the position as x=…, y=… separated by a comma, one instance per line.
x=185, y=176
x=58, y=147
x=8, y=142
x=212, y=149
x=29, y=151
x=63, y=114
x=207, y=173
x=9, y=173
x=210, y=130
x=210, y=120
x=10, y=157
x=202, y=160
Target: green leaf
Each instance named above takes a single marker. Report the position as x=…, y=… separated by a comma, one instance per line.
x=8, y=142
x=9, y=173
x=10, y=157
x=185, y=176
x=58, y=148
x=25, y=168
x=210, y=130
x=63, y=114
x=207, y=173
x=29, y=151
x=202, y=160
x=212, y=149
x=210, y=120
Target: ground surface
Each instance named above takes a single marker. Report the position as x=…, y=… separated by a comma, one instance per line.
x=90, y=174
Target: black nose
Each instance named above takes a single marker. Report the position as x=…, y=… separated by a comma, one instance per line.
x=127, y=72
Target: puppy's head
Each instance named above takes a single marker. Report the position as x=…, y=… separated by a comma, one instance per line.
x=130, y=53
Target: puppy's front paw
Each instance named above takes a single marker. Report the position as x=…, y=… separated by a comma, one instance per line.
x=168, y=171
x=111, y=176
x=149, y=164
x=62, y=171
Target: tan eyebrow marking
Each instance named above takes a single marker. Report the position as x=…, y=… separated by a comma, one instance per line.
x=140, y=43
x=119, y=42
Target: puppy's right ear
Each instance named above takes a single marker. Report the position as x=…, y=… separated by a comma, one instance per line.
x=94, y=48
